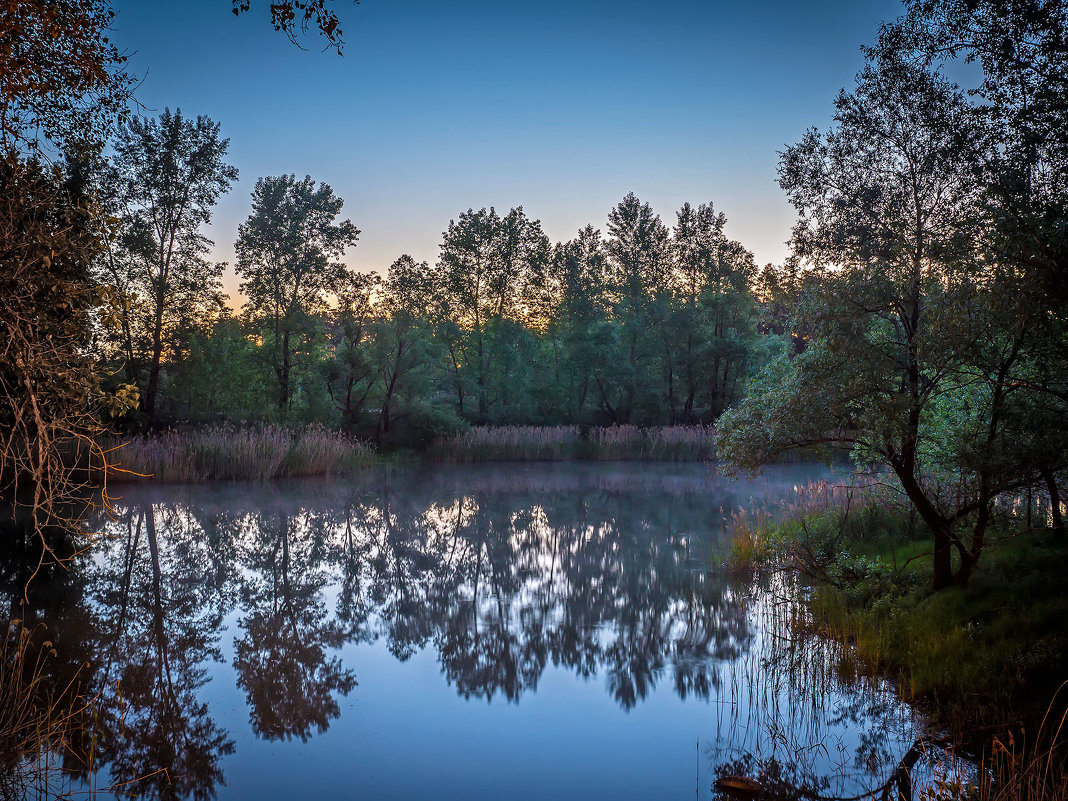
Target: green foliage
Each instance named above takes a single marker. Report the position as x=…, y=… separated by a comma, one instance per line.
x=924, y=351
x=165, y=178
x=504, y=330
x=287, y=254
x=1001, y=639
x=294, y=17
x=62, y=82
x=217, y=375
x=50, y=391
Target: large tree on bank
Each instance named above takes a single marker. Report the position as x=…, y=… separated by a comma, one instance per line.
x=167, y=174
x=287, y=254
x=915, y=358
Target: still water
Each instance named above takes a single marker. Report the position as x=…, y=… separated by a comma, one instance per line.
x=519, y=631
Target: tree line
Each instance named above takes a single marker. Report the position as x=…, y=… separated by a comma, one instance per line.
x=644, y=324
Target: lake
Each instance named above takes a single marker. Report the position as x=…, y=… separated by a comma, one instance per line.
x=521, y=631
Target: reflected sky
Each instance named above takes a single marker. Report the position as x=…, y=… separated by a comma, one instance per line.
x=563, y=630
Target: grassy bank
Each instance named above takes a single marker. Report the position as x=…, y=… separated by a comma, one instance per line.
x=563, y=443
x=221, y=453
x=985, y=661
x=989, y=654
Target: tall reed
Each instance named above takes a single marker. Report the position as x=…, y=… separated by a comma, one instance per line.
x=508, y=443
x=232, y=453
x=1039, y=773
x=659, y=444
x=36, y=718
x=780, y=533
x=559, y=443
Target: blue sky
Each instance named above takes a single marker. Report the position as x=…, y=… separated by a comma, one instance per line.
x=561, y=107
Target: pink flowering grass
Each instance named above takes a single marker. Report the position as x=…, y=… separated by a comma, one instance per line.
x=659, y=444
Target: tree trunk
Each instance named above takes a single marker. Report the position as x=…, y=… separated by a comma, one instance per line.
x=152, y=390
x=943, y=563
x=283, y=374
x=941, y=529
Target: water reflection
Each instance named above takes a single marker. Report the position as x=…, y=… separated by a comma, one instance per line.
x=281, y=658
x=606, y=573
x=156, y=624
x=501, y=581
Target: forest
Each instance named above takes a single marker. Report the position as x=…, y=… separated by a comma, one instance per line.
x=645, y=325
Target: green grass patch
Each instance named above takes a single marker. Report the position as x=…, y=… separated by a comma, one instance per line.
x=982, y=658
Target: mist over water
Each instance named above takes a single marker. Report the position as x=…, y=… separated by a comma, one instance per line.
x=522, y=630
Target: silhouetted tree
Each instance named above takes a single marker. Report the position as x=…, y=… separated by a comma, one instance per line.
x=167, y=174
x=287, y=253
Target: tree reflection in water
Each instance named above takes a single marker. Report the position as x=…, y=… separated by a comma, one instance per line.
x=281, y=658
x=150, y=591
x=504, y=578
x=605, y=572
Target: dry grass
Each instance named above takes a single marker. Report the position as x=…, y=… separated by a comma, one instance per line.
x=509, y=443
x=1013, y=770
x=755, y=538
x=222, y=453
x=1021, y=774
x=561, y=443
x=48, y=727
x=661, y=444
x=37, y=720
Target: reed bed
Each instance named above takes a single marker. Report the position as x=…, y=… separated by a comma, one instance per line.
x=563, y=443
x=660, y=444
x=223, y=453
x=784, y=532
x=509, y=443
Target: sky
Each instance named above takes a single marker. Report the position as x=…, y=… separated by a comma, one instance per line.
x=559, y=106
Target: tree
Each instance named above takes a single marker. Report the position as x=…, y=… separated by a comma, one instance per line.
x=637, y=248
x=404, y=350
x=287, y=253
x=291, y=16
x=710, y=331
x=167, y=175
x=216, y=373
x=1020, y=146
x=61, y=87
x=62, y=83
x=579, y=269
x=485, y=264
x=49, y=407
x=351, y=374
x=896, y=303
